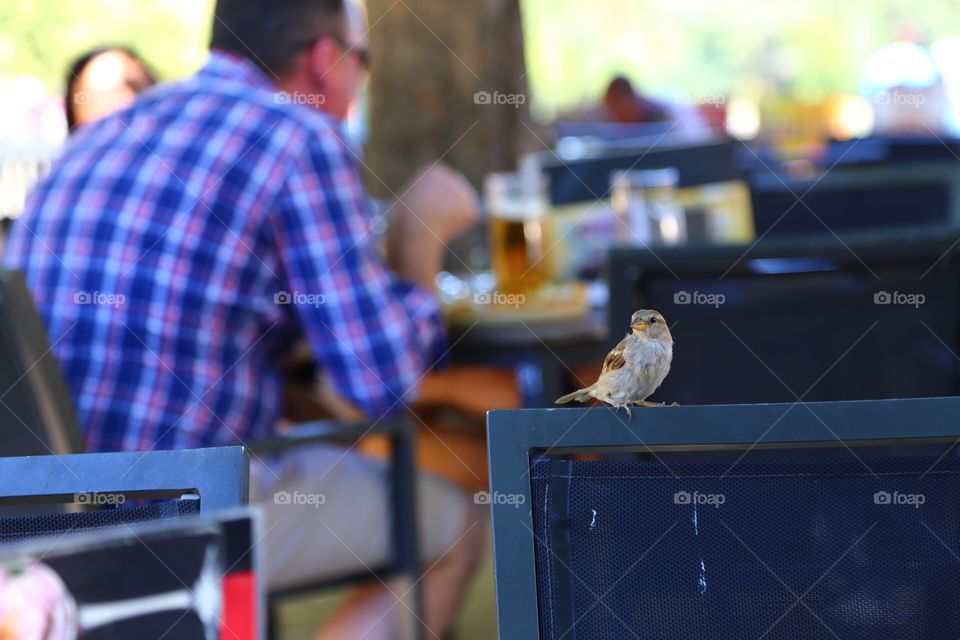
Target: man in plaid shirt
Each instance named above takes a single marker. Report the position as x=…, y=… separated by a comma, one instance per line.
x=179, y=249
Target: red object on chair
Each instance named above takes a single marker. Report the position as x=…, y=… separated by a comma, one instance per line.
x=239, y=618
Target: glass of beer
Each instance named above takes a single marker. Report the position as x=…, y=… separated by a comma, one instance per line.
x=516, y=204
x=647, y=207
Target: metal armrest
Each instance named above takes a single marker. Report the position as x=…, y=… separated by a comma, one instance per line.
x=329, y=431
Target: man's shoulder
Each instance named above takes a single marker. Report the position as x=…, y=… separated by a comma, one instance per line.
x=252, y=100
x=199, y=110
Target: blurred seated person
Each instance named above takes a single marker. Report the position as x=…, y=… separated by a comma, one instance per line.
x=102, y=81
x=623, y=105
x=904, y=84
x=213, y=223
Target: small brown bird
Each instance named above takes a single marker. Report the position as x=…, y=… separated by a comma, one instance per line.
x=635, y=367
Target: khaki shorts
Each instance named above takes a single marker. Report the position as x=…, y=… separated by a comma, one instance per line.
x=327, y=514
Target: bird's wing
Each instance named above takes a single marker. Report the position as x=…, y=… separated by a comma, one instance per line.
x=615, y=359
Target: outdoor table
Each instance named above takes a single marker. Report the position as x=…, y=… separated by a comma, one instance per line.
x=542, y=354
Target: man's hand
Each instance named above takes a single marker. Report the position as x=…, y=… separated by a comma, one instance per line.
x=442, y=200
x=438, y=206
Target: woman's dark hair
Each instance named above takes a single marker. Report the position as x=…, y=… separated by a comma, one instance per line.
x=77, y=67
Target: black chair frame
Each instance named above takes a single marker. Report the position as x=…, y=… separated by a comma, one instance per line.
x=631, y=267
x=515, y=437
x=204, y=473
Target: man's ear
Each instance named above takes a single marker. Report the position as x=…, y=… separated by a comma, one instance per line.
x=321, y=58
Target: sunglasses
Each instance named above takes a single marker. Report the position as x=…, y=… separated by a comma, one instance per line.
x=362, y=53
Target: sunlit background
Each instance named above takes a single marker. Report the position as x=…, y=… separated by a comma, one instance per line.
x=763, y=62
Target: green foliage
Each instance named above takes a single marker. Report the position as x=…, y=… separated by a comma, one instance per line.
x=670, y=47
x=42, y=37
x=706, y=47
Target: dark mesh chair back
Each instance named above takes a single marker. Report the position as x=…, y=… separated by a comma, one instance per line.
x=114, y=489
x=589, y=179
x=866, y=317
x=20, y=528
x=890, y=195
x=774, y=521
x=776, y=549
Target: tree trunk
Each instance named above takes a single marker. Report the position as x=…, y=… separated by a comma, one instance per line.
x=448, y=81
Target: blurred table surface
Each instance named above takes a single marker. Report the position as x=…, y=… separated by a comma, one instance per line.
x=541, y=353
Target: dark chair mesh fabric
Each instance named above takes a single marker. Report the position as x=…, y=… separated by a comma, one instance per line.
x=840, y=208
x=779, y=549
x=820, y=336
x=15, y=529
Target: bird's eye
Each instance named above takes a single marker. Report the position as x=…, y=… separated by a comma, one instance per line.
x=652, y=320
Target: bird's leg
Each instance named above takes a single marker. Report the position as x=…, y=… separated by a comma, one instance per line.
x=627, y=407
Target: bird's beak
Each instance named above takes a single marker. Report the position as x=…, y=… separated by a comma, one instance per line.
x=639, y=326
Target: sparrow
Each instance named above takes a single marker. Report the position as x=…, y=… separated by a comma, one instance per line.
x=634, y=369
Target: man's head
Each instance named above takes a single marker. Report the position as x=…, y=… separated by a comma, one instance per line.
x=317, y=48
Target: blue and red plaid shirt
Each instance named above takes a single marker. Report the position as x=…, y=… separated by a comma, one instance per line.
x=179, y=248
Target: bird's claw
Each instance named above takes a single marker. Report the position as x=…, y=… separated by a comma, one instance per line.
x=617, y=407
x=643, y=403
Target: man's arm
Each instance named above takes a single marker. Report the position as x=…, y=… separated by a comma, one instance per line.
x=373, y=333
x=437, y=206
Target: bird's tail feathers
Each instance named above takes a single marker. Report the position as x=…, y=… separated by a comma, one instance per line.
x=580, y=395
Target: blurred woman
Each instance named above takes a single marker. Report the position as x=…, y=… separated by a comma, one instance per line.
x=103, y=81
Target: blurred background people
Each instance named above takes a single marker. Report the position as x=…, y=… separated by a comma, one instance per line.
x=102, y=81
x=684, y=116
x=623, y=105
x=905, y=84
